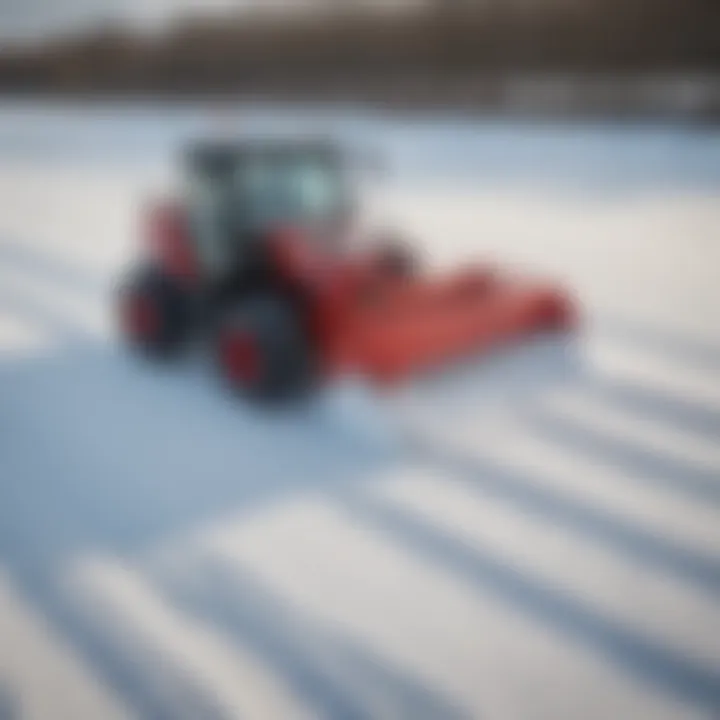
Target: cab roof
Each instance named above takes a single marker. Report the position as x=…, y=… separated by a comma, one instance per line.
x=232, y=149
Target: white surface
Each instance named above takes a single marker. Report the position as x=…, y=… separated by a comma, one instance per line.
x=555, y=555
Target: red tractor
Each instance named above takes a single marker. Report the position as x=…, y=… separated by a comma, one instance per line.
x=256, y=258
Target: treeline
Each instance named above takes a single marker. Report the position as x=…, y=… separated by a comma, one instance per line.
x=351, y=52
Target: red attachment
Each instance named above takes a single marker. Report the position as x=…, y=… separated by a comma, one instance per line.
x=386, y=327
x=398, y=341
x=398, y=328
x=240, y=356
x=364, y=320
x=170, y=242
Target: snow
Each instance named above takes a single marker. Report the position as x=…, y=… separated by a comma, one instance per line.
x=535, y=536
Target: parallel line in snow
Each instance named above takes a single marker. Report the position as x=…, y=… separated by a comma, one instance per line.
x=665, y=670
x=669, y=409
x=417, y=615
x=665, y=439
x=651, y=603
x=41, y=672
x=612, y=449
x=339, y=678
x=580, y=516
x=189, y=662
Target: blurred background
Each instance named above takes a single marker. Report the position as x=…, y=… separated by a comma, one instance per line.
x=569, y=57
x=461, y=550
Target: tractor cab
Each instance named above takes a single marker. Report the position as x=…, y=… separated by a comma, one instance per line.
x=237, y=193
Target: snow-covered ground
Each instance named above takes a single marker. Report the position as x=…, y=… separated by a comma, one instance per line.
x=167, y=553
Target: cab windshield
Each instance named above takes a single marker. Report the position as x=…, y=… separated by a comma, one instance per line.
x=293, y=188
x=256, y=188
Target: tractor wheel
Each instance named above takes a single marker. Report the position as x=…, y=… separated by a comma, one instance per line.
x=263, y=351
x=155, y=314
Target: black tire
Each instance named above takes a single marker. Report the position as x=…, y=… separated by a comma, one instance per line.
x=170, y=306
x=280, y=367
